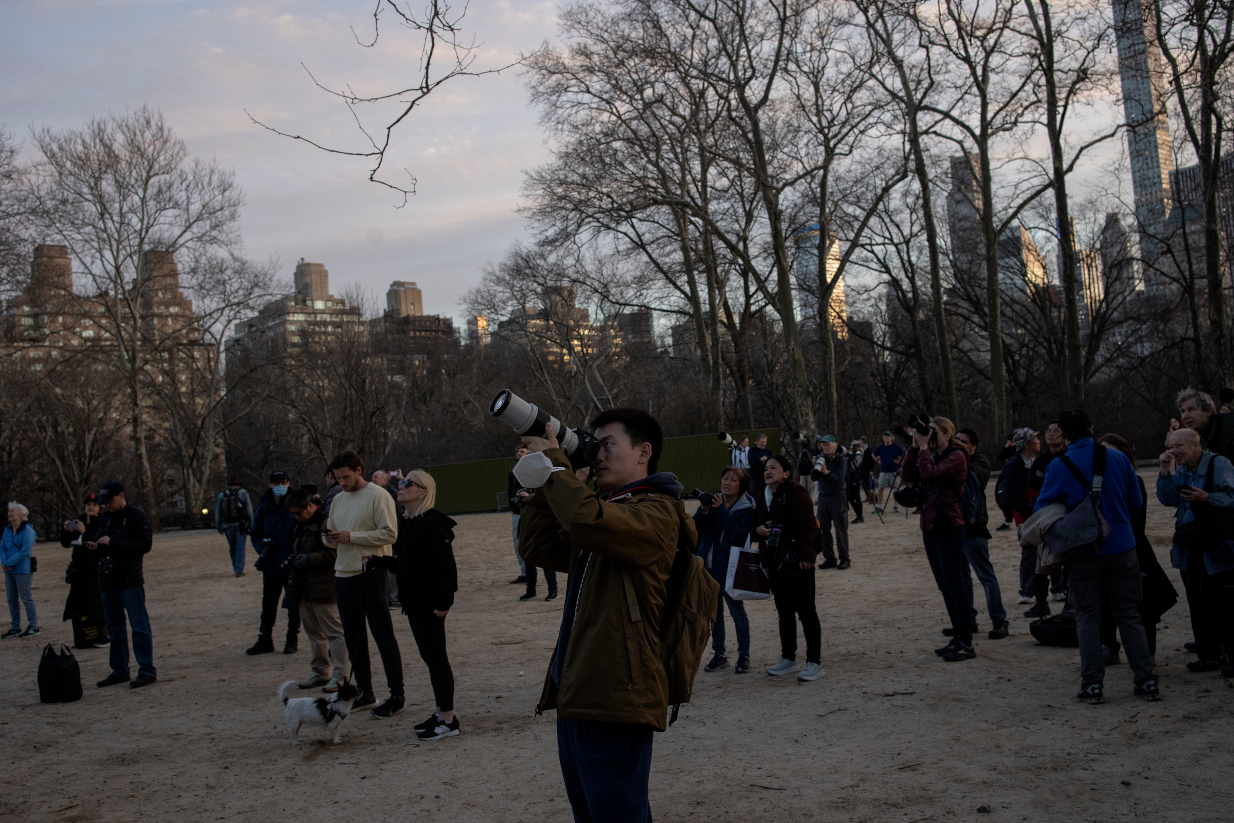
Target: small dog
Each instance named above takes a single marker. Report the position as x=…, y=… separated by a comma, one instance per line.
x=330, y=713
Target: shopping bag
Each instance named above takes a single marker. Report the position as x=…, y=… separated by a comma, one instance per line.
x=746, y=579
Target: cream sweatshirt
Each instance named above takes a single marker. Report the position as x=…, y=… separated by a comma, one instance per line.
x=370, y=516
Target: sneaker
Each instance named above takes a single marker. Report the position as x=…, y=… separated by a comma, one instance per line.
x=315, y=679
x=550, y=597
x=439, y=729
x=1109, y=657
x=522, y=578
x=111, y=680
x=290, y=648
x=1092, y=693
x=366, y=699
x=895, y=509
x=432, y=721
x=785, y=666
x=31, y=631
x=1203, y=666
x=844, y=564
x=102, y=644
x=1005, y=527
x=998, y=632
x=239, y=574
x=1024, y=600
x=392, y=706
x=859, y=520
x=812, y=671
x=332, y=686
x=11, y=633
x=528, y=596
x=1191, y=647
x=946, y=650
x=143, y=680
x=718, y=662
x=828, y=564
x=962, y=651
x=1060, y=597
x=264, y=645
x=1148, y=690
x=1042, y=609
x=743, y=666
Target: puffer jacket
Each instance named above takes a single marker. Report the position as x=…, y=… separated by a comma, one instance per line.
x=271, y=533
x=316, y=581
x=120, y=561
x=791, y=507
x=15, y=547
x=607, y=664
x=719, y=529
x=423, y=562
x=942, y=477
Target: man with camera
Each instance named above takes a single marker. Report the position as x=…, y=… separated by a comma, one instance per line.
x=831, y=474
x=606, y=679
x=123, y=539
x=757, y=458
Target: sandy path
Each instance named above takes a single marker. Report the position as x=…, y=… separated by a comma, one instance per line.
x=891, y=733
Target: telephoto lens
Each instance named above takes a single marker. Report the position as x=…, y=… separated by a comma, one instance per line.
x=726, y=439
x=529, y=420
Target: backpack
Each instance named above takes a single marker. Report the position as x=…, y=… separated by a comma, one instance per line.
x=1081, y=531
x=970, y=499
x=685, y=626
x=1000, y=491
x=1056, y=630
x=59, y=676
x=232, y=510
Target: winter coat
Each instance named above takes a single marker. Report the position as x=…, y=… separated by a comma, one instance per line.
x=1036, y=472
x=1218, y=435
x=316, y=580
x=1221, y=494
x=120, y=561
x=834, y=484
x=15, y=548
x=83, y=571
x=1158, y=593
x=719, y=529
x=513, y=487
x=271, y=533
x=979, y=465
x=1017, y=488
x=607, y=664
x=1120, y=491
x=424, y=563
x=791, y=507
x=942, y=476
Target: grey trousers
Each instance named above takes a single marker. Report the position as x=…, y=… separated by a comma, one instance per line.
x=522, y=567
x=1116, y=581
x=833, y=511
x=325, y=631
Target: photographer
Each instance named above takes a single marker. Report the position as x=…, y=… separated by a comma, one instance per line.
x=313, y=564
x=84, y=605
x=271, y=534
x=831, y=474
x=788, y=536
x=739, y=455
x=515, y=492
x=123, y=539
x=723, y=521
x=942, y=469
x=606, y=679
x=856, y=485
x=758, y=454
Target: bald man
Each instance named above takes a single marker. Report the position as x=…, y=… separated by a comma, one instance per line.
x=1195, y=479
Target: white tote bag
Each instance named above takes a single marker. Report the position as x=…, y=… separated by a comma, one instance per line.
x=746, y=579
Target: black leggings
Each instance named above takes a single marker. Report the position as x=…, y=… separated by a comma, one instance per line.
x=794, y=598
x=854, y=499
x=272, y=591
x=429, y=631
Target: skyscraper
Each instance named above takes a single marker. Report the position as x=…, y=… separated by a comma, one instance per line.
x=806, y=273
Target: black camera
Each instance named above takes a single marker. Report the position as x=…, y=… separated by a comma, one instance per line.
x=703, y=497
x=772, y=540
x=528, y=419
x=919, y=423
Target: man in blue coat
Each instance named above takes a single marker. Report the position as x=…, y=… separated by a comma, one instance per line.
x=272, y=535
x=1111, y=575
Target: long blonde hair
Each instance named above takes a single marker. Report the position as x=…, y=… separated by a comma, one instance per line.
x=430, y=493
x=947, y=426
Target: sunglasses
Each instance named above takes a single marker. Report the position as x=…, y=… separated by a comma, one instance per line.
x=408, y=483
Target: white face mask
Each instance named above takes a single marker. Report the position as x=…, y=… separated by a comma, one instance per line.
x=533, y=470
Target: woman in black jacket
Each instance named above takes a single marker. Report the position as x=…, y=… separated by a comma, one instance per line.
x=427, y=581
x=84, y=605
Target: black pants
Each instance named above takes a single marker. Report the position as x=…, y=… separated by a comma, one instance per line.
x=361, y=598
x=1210, y=598
x=271, y=595
x=944, y=547
x=854, y=499
x=606, y=768
x=794, y=598
x=429, y=630
x=1109, y=629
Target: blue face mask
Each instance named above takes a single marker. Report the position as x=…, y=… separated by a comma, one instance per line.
x=279, y=491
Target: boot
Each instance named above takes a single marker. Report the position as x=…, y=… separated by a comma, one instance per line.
x=1041, y=610
x=264, y=645
x=291, y=646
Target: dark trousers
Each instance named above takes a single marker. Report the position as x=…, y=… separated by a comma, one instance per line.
x=945, y=551
x=362, y=598
x=605, y=767
x=272, y=589
x=1115, y=581
x=1031, y=583
x=1109, y=629
x=1210, y=599
x=116, y=604
x=550, y=579
x=794, y=598
x=429, y=630
x=854, y=499
x=833, y=513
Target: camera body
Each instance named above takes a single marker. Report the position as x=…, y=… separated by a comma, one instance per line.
x=530, y=420
x=772, y=541
x=919, y=423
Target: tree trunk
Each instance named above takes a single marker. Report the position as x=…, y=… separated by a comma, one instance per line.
x=998, y=380
x=145, y=479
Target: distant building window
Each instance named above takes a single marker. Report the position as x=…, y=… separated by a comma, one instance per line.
x=319, y=304
x=88, y=333
x=27, y=321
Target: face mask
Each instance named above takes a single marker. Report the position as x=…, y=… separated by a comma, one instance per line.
x=279, y=491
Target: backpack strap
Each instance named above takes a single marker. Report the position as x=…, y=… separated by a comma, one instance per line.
x=1208, y=475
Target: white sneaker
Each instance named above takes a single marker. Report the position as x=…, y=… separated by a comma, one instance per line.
x=812, y=671
x=895, y=509
x=1060, y=597
x=1024, y=598
x=785, y=666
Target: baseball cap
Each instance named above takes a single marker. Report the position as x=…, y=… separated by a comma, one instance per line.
x=91, y=498
x=830, y=438
x=818, y=437
x=279, y=477
x=888, y=434
x=110, y=489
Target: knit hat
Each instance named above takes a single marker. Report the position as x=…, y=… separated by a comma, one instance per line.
x=1021, y=437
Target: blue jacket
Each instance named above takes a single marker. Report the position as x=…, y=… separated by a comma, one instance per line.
x=1222, y=494
x=1120, y=492
x=719, y=529
x=15, y=548
x=273, y=521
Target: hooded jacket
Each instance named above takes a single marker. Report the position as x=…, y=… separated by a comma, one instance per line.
x=1221, y=494
x=607, y=664
x=316, y=579
x=120, y=561
x=1120, y=493
x=942, y=477
x=15, y=547
x=423, y=562
x=719, y=529
x=791, y=507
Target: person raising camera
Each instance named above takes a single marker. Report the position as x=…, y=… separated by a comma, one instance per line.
x=723, y=521
x=941, y=467
x=788, y=536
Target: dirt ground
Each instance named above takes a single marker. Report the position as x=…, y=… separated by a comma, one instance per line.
x=891, y=733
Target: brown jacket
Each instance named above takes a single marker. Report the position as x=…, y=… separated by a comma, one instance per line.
x=612, y=670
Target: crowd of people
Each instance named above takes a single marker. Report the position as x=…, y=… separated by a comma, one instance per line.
x=338, y=562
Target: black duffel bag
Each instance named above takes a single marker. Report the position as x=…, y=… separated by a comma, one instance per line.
x=59, y=676
x=1056, y=630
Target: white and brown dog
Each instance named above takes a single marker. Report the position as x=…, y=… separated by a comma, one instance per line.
x=327, y=712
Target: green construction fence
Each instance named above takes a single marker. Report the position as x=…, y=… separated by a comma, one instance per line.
x=480, y=486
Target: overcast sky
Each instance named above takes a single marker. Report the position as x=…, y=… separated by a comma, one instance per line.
x=205, y=63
